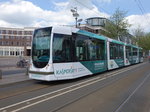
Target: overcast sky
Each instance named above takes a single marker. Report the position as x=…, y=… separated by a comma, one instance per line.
x=40, y=13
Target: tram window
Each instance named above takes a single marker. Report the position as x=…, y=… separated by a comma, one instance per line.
x=112, y=50
x=92, y=50
x=140, y=53
x=88, y=49
x=127, y=52
x=81, y=46
x=130, y=52
x=100, y=49
x=61, y=48
x=96, y=49
x=116, y=51
x=116, y=56
x=134, y=51
x=120, y=51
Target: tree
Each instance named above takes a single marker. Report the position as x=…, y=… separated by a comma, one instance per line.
x=142, y=38
x=117, y=25
x=138, y=34
x=144, y=42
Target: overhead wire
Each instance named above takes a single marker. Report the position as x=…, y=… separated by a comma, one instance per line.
x=140, y=6
x=90, y=8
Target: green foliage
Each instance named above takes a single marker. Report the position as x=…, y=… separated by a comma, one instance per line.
x=142, y=38
x=118, y=25
x=144, y=42
x=139, y=32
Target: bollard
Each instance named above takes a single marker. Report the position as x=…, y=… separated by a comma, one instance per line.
x=0, y=74
x=27, y=70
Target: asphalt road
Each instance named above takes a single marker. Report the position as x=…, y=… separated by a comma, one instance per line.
x=11, y=72
x=121, y=90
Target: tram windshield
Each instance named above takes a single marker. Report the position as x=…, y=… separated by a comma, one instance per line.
x=41, y=47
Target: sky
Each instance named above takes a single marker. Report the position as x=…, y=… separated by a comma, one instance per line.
x=41, y=13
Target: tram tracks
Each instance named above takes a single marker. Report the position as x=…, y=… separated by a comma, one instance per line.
x=105, y=94
x=34, y=86
x=48, y=96
x=25, y=87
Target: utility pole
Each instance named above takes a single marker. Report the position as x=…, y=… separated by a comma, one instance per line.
x=75, y=14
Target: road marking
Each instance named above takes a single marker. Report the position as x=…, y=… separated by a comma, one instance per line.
x=72, y=88
x=65, y=92
x=136, y=89
x=57, y=95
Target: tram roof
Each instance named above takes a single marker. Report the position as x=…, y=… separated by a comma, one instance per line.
x=83, y=32
x=69, y=30
x=115, y=41
x=134, y=46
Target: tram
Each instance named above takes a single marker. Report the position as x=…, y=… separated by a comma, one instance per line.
x=60, y=53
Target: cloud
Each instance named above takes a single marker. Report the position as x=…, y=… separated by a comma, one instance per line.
x=81, y=4
x=24, y=13
x=139, y=20
x=21, y=13
x=18, y=12
x=106, y=1
x=86, y=9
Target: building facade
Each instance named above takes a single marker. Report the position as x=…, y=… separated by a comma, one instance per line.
x=94, y=25
x=15, y=41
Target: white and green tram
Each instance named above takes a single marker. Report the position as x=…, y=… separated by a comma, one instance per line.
x=66, y=53
x=61, y=52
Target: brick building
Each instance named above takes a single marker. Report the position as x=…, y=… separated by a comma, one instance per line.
x=15, y=41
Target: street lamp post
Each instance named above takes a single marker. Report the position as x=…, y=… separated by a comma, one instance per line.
x=75, y=14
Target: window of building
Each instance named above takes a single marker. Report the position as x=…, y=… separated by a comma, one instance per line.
x=28, y=43
x=19, y=32
x=18, y=44
x=28, y=37
x=9, y=32
x=15, y=32
x=11, y=43
x=27, y=32
x=6, y=43
x=1, y=37
x=3, y=31
x=1, y=52
x=11, y=37
x=11, y=53
x=6, y=37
